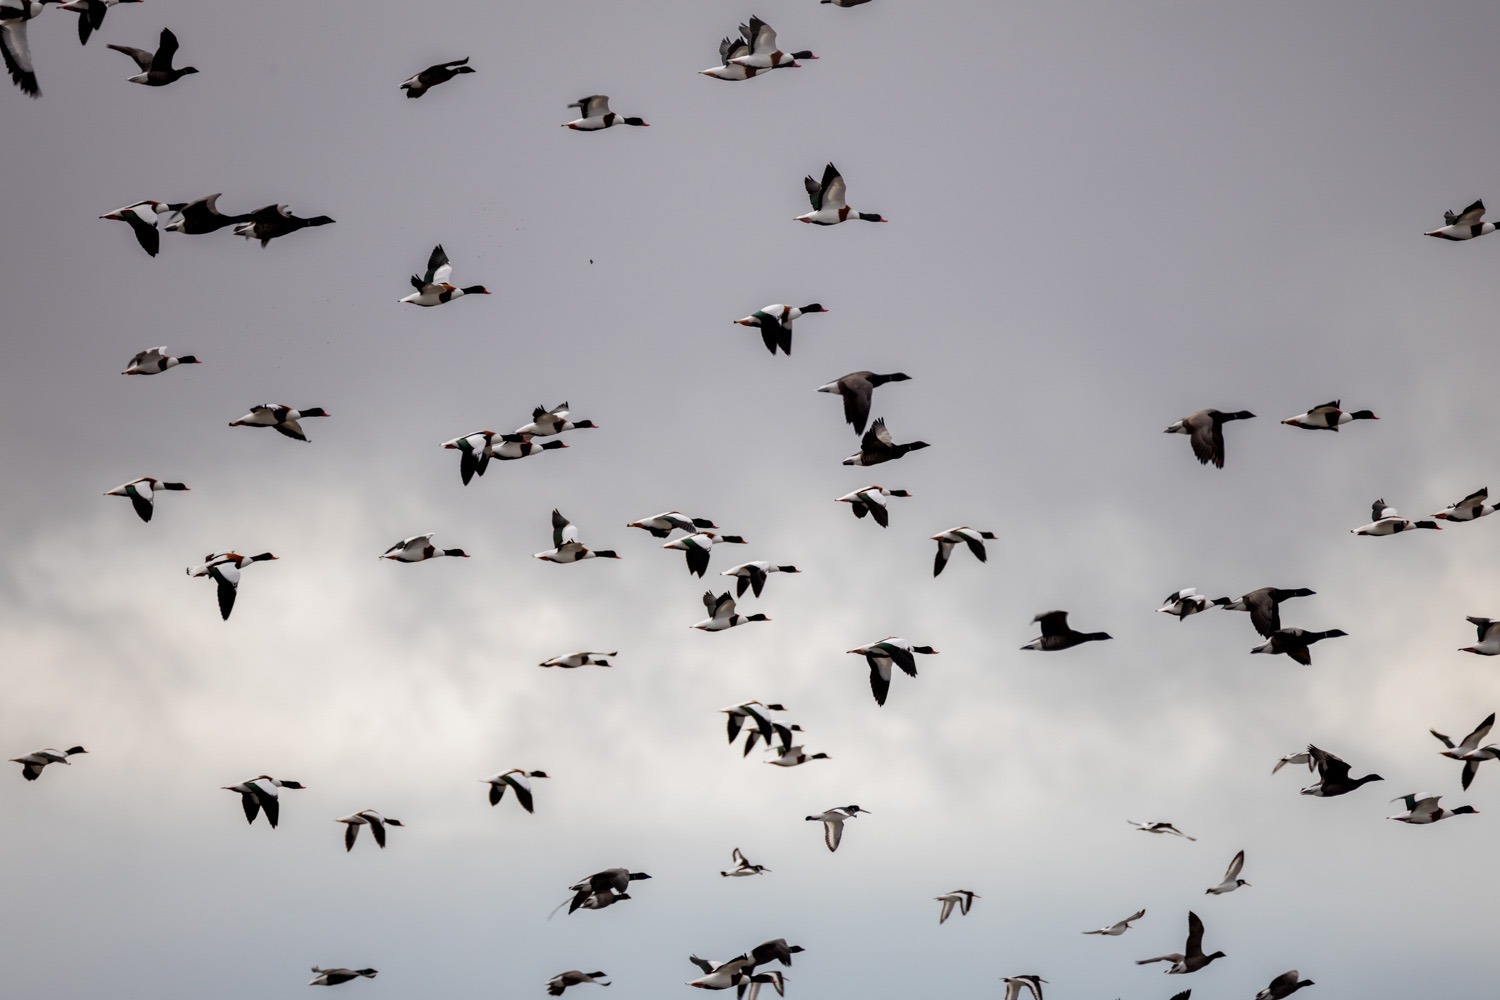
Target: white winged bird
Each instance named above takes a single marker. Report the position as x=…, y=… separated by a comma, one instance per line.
x=1014, y=985
x=662, y=525
x=1469, y=751
x=566, y=548
x=285, y=420
x=142, y=216
x=1159, y=826
x=722, y=615
x=517, y=780
x=1422, y=808
x=90, y=15
x=742, y=866
x=419, y=548
x=224, y=569
x=775, y=324
x=764, y=53
x=697, y=546
x=868, y=501
x=594, y=114
x=881, y=655
x=1232, y=880
x=1470, y=508
x=828, y=204
x=1191, y=958
x=1488, y=643
x=432, y=287
x=833, y=823
x=366, y=817
x=545, y=422
x=752, y=575
x=259, y=795
x=1116, y=929
x=1386, y=520
x=155, y=360
x=142, y=494
x=1327, y=417
x=586, y=658
x=1182, y=603
x=32, y=763
x=1463, y=225
x=962, y=898
x=972, y=537
x=14, y=46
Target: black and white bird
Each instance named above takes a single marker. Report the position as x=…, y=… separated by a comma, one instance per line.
x=1300, y=757
x=1116, y=929
x=962, y=898
x=763, y=724
x=1159, y=826
x=155, y=360
x=518, y=780
x=1015, y=984
x=195, y=218
x=430, y=77
x=662, y=525
x=143, y=215
x=1327, y=417
x=1294, y=642
x=877, y=446
x=1422, y=808
x=142, y=494
x=1206, y=428
x=868, y=501
x=594, y=114
x=1488, y=643
x=259, y=794
x=587, y=658
x=275, y=221
x=1469, y=508
x=1333, y=775
x=742, y=866
x=1283, y=986
x=1469, y=751
x=1181, y=604
x=333, y=977
x=880, y=655
x=1264, y=606
x=566, y=548
x=545, y=422
x=611, y=880
x=775, y=324
x=285, y=420
x=858, y=390
x=14, y=46
x=32, y=763
x=156, y=67
x=833, y=821
x=419, y=548
x=90, y=15
x=972, y=537
x=752, y=575
x=697, y=546
x=1232, y=880
x=1191, y=958
x=432, y=287
x=366, y=817
x=223, y=568
x=721, y=614
x=764, y=53
x=572, y=977
x=476, y=450
x=1057, y=634
x=1386, y=520
x=828, y=204
x=1463, y=225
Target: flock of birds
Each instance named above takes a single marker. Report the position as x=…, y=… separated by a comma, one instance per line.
x=765, y=724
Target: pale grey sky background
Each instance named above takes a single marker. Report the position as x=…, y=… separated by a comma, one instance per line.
x=1103, y=218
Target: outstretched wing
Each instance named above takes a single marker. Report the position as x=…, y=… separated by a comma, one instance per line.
x=141, y=56
x=438, y=268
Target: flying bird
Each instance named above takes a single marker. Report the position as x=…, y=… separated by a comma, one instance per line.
x=1463, y=225
x=275, y=221
x=868, y=501
x=572, y=977
x=962, y=898
x=585, y=659
x=1294, y=642
x=876, y=446
x=1422, y=808
x=1206, y=428
x=1264, y=606
x=752, y=575
x=1116, y=929
x=32, y=763
x=775, y=324
x=1385, y=520
x=14, y=46
x=1232, y=880
x=566, y=548
x=742, y=866
x=333, y=977
x=156, y=67
x=1489, y=636
x=880, y=655
x=196, y=218
x=224, y=569
x=721, y=613
x=1469, y=508
x=833, y=823
x=792, y=756
x=827, y=198
x=283, y=418
x=142, y=494
x=663, y=524
x=1192, y=958
x=1159, y=826
x=1014, y=985
x=1333, y=775
x=1283, y=986
x=143, y=215
x=764, y=54
x=515, y=779
x=259, y=794
x=155, y=360
x=418, y=548
x=432, y=287
x=1327, y=417
x=90, y=15
x=1185, y=602
x=697, y=546
x=611, y=882
x=366, y=817
x=545, y=422
x=594, y=114
x=858, y=390
x=477, y=449
x=1469, y=751
x=972, y=537
x=1057, y=634
x=430, y=77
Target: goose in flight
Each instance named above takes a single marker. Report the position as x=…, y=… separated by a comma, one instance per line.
x=1294, y=642
x=430, y=77
x=366, y=817
x=259, y=794
x=962, y=898
x=1264, y=606
x=156, y=67
x=475, y=450
x=880, y=655
x=1327, y=417
x=1422, y=808
x=1159, y=826
x=833, y=823
x=827, y=198
x=1057, y=634
x=90, y=15
x=418, y=548
x=573, y=977
x=432, y=287
x=143, y=215
x=1116, y=929
x=1469, y=508
x=566, y=548
x=610, y=885
x=1463, y=225
x=224, y=569
x=877, y=446
x=697, y=546
x=1300, y=757
x=1206, y=428
x=584, y=659
x=972, y=537
x=195, y=218
x=1192, y=958
x=515, y=779
x=753, y=575
x=155, y=360
x=1333, y=775
x=1385, y=520
x=858, y=390
x=545, y=422
x=32, y=763
x=333, y=977
x=775, y=324
x=14, y=46
x=1469, y=751
x=283, y=418
x=1283, y=986
x=1232, y=880
x=763, y=51
x=721, y=613
x=868, y=501
x=594, y=114
x=729, y=49
x=275, y=221
x=792, y=756
x=662, y=525
x=142, y=494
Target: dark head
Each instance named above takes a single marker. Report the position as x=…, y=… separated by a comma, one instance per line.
x=460, y=553
x=788, y=569
x=1333, y=633
x=320, y=220
x=538, y=774
x=1427, y=524
x=263, y=557
x=367, y=973
x=916, y=446
x=814, y=308
x=186, y=359
x=1095, y=636
x=824, y=756
x=594, y=975
x=634, y=877
x=703, y=522
x=316, y=411
x=893, y=377
x=1281, y=595
x=872, y=217
x=1366, y=778
x=476, y=290
x=73, y=750
x=293, y=784
x=1217, y=954
x=804, y=54
x=1465, y=811
x=1237, y=415
x=606, y=554
x=589, y=424
x=470, y=69
x=182, y=487
x=852, y=809
x=635, y=121
x=900, y=493
x=988, y=536
x=923, y=649
x=553, y=445
x=757, y=618
x=735, y=539
x=186, y=70
x=1363, y=415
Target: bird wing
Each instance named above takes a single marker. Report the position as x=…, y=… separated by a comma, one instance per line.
x=251, y=804
x=1475, y=499
x=1265, y=614
x=1235, y=867
x=162, y=60
x=1208, y=441
x=378, y=829
x=351, y=831
x=763, y=36
x=1195, y=934
x=976, y=546
x=857, y=392
x=563, y=530
x=1472, y=741
x=1054, y=623
x=723, y=606
x=1471, y=215
x=880, y=677
x=595, y=106
x=1379, y=510
x=831, y=191
x=1299, y=652
x=141, y=56
x=1330, y=768
x=1444, y=739
x=947, y=908
x=523, y=790
x=833, y=832
x=438, y=268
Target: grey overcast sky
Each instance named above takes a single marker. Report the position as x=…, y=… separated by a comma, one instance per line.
x=1103, y=217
